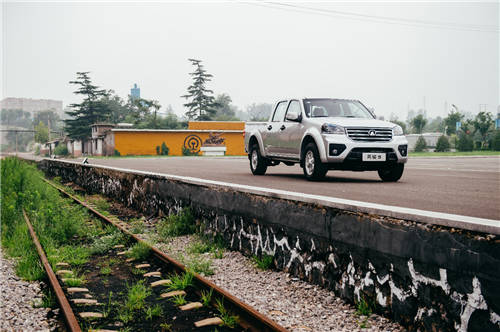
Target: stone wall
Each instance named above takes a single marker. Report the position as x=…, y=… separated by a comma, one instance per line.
x=426, y=277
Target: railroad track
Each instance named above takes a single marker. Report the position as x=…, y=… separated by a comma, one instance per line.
x=181, y=300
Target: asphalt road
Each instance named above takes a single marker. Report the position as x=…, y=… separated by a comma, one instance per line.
x=467, y=186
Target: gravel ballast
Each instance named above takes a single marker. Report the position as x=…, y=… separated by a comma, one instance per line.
x=20, y=301
x=294, y=304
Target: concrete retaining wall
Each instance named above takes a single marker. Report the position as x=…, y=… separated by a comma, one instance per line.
x=426, y=277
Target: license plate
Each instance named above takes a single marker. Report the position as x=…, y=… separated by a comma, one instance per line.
x=373, y=156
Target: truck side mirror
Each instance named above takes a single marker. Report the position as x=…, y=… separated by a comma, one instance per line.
x=293, y=116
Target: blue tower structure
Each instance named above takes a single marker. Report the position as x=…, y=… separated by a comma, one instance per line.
x=135, y=92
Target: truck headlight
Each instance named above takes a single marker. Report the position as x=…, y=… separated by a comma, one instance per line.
x=328, y=128
x=397, y=131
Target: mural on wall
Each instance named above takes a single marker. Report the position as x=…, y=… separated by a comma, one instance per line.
x=214, y=140
x=192, y=143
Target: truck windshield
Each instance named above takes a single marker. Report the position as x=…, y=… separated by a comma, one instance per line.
x=322, y=108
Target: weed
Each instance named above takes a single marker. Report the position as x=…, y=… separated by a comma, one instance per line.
x=49, y=299
x=137, y=227
x=165, y=327
x=179, y=300
x=108, y=307
x=136, y=297
x=363, y=307
x=176, y=225
x=112, y=261
x=74, y=281
x=199, y=247
x=138, y=271
x=104, y=243
x=263, y=262
x=155, y=311
x=206, y=297
x=197, y=264
x=218, y=253
x=180, y=282
x=100, y=203
x=105, y=270
x=139, y=251
x=229, y=320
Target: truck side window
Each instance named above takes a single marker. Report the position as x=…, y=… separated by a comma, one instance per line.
x=294, y=107
x=279, y=113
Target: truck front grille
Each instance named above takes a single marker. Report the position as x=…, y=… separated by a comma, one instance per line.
x=370, y=134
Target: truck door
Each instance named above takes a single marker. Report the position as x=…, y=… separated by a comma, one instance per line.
x=272, y=129
x=291, y=133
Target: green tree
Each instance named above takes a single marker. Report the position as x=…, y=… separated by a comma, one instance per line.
x=41, y=133
x=421, y=144
x=442, y=144
x=483, y=124
x=495, y=141
x=418, y=123
x=259, y=112
x=119, y=109
x=451, y=120
x=225, y=111
x=46, y=117
x=201, y=103
x=92, y=109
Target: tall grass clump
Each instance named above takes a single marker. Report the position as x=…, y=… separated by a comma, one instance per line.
x=182, y=223
x=56, y=221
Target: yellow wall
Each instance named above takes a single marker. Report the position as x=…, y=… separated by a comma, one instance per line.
x=138, y=142
x=216, y=125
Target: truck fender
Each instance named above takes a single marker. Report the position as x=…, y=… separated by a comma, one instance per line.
x=256, y=135
x=315, y=135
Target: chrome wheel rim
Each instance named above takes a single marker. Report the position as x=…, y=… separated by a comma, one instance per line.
x=255, y=159
x=309, y=163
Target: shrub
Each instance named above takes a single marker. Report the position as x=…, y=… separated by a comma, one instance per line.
x=164, y=149
x=183, y=223
x=495, y=141
x=465, y=142
x=188, y=152
x=61, y=150
x=442, y=144
x=116, y=153
x=158, y=150
x=421, y=144
x=37, y=150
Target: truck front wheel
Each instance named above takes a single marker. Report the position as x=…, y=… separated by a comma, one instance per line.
x=258, y=164
x=313, y=168
x=392, y=174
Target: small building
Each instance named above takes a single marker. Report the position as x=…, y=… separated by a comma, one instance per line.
x=100, y=143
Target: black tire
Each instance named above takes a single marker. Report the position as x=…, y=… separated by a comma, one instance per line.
x=392, y=174
x=258, y=164
x=313, y=168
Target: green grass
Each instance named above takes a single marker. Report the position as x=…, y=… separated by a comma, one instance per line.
x=152, y=312
x=363, y=307
x=105, y=270
x=100, y=203
x=199, y=264
x=178, y=300
x=139, y=251
x=137, y=227
x=135, y=302
x=180, y=281
x=75, y=281
x=206, y=297
x=263, y=262
x=229, y=320
x=454, y=154
x=183, y=223
x=102, y=244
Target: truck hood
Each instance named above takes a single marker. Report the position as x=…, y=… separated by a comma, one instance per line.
x=353, y=122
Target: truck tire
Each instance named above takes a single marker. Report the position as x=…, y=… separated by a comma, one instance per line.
x=258, y=164
x=314, y=169
x=392, y=174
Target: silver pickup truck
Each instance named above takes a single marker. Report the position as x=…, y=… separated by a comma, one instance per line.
x=324, y=134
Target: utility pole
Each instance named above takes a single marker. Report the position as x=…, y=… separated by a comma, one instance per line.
x=16, y=143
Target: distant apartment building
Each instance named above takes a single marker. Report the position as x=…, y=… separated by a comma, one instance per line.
x=135, y=92
x=32, y=105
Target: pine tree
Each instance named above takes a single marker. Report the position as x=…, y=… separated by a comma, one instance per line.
x=91, y=110
x=201, y=103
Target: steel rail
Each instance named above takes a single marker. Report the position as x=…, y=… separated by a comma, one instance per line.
x=69, y=315
x=250, y=319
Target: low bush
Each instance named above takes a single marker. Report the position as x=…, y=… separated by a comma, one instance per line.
x=61, y=150
x=465, y=142
x=188, y=152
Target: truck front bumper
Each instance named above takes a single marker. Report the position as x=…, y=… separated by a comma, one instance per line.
x=341, y=152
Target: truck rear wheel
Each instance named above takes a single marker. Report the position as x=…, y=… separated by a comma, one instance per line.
x=314, y=169
x=258, y=164
x=392, y=174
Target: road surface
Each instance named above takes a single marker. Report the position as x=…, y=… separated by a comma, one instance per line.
x=468, y=186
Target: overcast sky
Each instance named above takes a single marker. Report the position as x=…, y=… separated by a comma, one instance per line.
x=260, y=51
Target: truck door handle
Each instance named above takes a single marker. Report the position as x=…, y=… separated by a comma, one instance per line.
x=282, y=127
x=269, y=127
